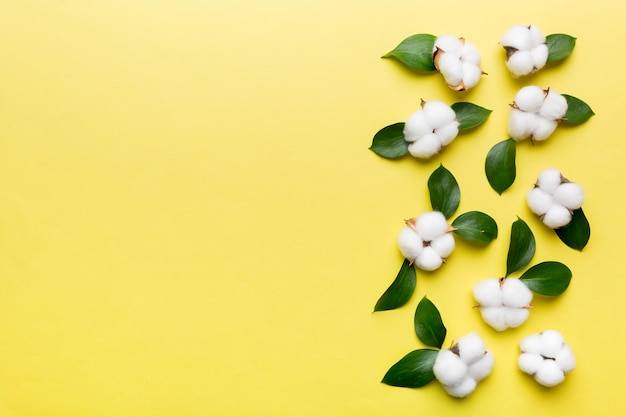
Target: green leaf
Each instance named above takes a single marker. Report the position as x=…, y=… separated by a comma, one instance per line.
x=577, y=111
x=389, y=142
x=475, y=226
x=428, y=324
x=445, y=194
x=400, y=290
x=560, y=46
x=521, y=247
x=577, y=232
x=547, y=278
x=470, y=115
x=500, y=165
x=412, y=371
x=416, y=52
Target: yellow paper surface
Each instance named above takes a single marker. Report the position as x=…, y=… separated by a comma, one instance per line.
x=191, y=223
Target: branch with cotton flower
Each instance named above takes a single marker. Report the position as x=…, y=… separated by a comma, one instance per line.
x=528, y=50
x=535, y=114
x=558, y=203
x=457, y=60
x=428, y=240
x=427, y=130
x=458, y=369
x=506, y=302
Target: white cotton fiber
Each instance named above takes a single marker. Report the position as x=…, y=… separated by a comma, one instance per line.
x=428, y=260
x=529, y=363
x=570, y=195
x=543, y=129
x=549, y=179
x=410, y=244
x=471, y=348
x=451, y=68
x=539, y=201
x=549, y=374
x=425, y=147
x=529, y=98
x=539, y=56
x=517, y=37
x=482, y=368
x=416, y=126
x=552, y=343
x=536, y=36
x=431, y=225
x=463, y=389
x=449, y=369
x=494, y=317
x=449, y=43
x=520, y=63
x=438, y=114
x=554, y=106
x=443, y=245
x=471, y=75
x=532, y=344
x=565, y=359
x=470, y=54
x=521, y=124
x=515, y=317
x=557, y=216
x=448, y=133
x=515, y=293
x=488, y=293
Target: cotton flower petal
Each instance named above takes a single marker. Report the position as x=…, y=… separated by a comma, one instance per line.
x=463, y=389
x=470, y=54
x=521, y=124
x=549, y=179
x=451, y=67
x=410, y=244
x=517, y=37
x=532, y=344
x=544, y=128
x=482, y=368
x=488, y=293
x=438, y=114
x=425, y=147
x=549, y=374
x=552, y=342
x=536, y=36
x=471, y=348
x=570, y=195
x=539, y=56
x=529, y=363
x=428, y=260
x=431, y=225
x=449, y=369
x=565, y=360
x=443, y=245
x=557, y=216
x=448, y=133
x=515, y=317
x=450, y=44
x=416, y=126
x=529, y=98
x=520, y=63
x=539, y=201
x=554, y=106
x=493, y=316
x=471, y=75
x=515, y=293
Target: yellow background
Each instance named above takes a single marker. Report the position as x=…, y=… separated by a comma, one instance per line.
x=191, y=223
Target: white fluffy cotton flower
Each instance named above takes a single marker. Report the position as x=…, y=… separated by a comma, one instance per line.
x=535, y=113
x=431, y=128
x=458, y=61
x=426, y=241
x=504, y=303
x=460, y=368
x=526, y=49
x=554, y=198
x=546, y=357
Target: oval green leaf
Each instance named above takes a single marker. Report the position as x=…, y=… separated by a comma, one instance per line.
x=400, y=290
x=470, y=115
x=521, y=248
x=476, y=226
x=577, y=111
x=560, y=46
x=389, y=142
x=500, y=165
x=416, y=52
x=428, y=324
x=547, y=278
x=412, y=371
x=577, y=232
x=445, y=194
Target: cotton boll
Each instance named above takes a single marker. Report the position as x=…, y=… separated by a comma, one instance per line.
x=438, y=114
x=549, y=179
x=529, y=363
x=515, y=293
x=549, y=374
x=463, y=389
x=425, y=147
x=539, y=201
x=449, y=369
x=552, y=343
x=539, y=55
x=431, y=225
x=493, y=316
x=521, y=124
x=471, y=75
x=482, y=368
x=517, y=37
x=488, y=293
x=544, y=128
x=411, y=245
x=515, y=317
x=554, y=106
x=529, y=98
x=449, y=43
x=448, y=133
x=557, y=216
x=520, y=63
x=451, y=68
x=536, y=36
x=570, y=195
x=470, y=54
x=428, y=260
x=416, y=126
x=471, y=348
x=443, y=245
x=565, y=360
x=532, y=344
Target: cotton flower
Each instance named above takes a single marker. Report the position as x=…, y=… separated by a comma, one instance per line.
x=460, y=368
x=554, y=198
x=535, y=113
x=431, y=128
x=526, y=49
x=547, y=357
x=458, y=61
x=427, y=241
x=503, y=302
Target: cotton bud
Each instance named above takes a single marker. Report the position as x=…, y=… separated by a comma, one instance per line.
x=526, y=49
x=535, y=113
x=547, y=357
x=554, y=198
x=431, y=128
x=427, y=241
x=461, y=367
x=504, y=302
x=458, y=61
